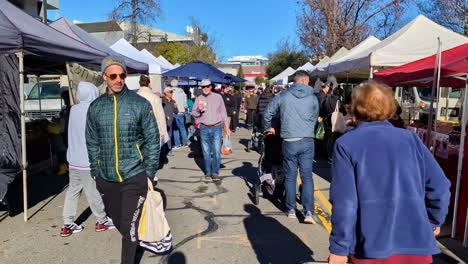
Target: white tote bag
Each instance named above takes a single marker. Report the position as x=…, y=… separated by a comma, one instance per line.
x=153, y=224
x=337, y=120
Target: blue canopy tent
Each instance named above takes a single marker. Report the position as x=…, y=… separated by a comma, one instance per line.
x=198, y=70
x=234, y=78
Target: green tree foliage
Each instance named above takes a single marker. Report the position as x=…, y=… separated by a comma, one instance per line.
x=259, y=80
x=240, y=74
x=283, y=59
x=183, y=53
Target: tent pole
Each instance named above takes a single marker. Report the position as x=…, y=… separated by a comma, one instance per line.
x=371, y=74
x=465, y=239
x=433, y=95
x=23, y=136
x=460, y=161
x=437, y=115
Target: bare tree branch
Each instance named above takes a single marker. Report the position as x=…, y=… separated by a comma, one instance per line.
x=324, y=26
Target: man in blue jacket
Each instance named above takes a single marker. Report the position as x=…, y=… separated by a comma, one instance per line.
x=298, y=108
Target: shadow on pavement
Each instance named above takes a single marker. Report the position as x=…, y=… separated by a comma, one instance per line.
x=271, y=241
x=41, y=187
x=244, y=142
x=322, y=168
x=177, y=258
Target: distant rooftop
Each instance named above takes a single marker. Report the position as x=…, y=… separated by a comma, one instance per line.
x=147, y=33
x=248, y=60
x=103, y=26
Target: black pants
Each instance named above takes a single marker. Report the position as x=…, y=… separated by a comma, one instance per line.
x=235, y=120
x=232, y=126
x=250, y=117
x=123, y=202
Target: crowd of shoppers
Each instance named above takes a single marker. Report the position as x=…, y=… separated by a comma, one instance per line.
x=120, y=139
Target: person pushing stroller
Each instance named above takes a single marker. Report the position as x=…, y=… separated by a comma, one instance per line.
x=298, y=108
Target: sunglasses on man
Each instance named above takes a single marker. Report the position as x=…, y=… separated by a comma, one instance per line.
x=114, y=76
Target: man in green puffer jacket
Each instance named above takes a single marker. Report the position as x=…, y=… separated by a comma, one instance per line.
x=123, y=148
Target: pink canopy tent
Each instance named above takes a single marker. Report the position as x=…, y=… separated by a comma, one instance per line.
x=454, y=68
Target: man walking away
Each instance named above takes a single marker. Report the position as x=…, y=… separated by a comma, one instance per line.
x=298, y=108
x=80, y=175
x=210, y=112
x=263, y=101
x=123, y=148
x=179, y=131
x=251, y=101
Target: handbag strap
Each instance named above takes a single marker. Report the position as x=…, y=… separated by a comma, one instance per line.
x=150, y=185
x=337, y=107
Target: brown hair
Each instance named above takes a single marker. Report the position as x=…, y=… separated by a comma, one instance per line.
x=373, y=101
x=144, y=80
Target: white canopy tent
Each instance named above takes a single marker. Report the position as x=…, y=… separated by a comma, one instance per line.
x=308, y=67
x=416, y=40
x=123, y=47
x=364, y=45
x=166, y=62
x=282, y=78
x=164, y=67
x=321, y=70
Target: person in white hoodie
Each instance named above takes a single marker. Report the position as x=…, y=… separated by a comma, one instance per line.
x=80, y=171
x=179, y=130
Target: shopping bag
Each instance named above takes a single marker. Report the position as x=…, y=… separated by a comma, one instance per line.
x=337, y=120
x=153, y=224
x=226, y=149
x=320, y=133
x=159, y=247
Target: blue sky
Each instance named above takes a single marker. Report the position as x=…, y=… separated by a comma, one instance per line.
x=242, y=27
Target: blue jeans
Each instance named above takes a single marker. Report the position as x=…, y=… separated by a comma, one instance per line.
x=179, y=129
x=211, y=138
x=299, y=154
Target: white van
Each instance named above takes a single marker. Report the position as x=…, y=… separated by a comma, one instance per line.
x=44, y=100
x=417, y=99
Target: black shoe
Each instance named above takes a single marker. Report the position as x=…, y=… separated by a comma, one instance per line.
x=215, y=177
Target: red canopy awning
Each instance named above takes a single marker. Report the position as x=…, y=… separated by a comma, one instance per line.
x=454, y=68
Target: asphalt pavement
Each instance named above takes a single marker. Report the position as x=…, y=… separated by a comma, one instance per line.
x=211, y=222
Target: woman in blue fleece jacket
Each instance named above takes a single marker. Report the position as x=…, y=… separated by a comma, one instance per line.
x=389, y=195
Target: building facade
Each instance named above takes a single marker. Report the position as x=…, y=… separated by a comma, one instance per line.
x=248, y=60
x=147, y=37
x=36, y=8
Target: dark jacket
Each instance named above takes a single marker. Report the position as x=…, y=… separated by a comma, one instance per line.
x=251, y=102
x=229, y=103
x=387, y=191
x=238, y=100
x=321, y=98
x=298, y=108
x=169, y=110
x=122, y=137
x=327, y=108
x=263, y=101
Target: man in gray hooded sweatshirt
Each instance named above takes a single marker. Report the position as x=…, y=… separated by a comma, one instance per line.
x=298, y=108
x=80, y=171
